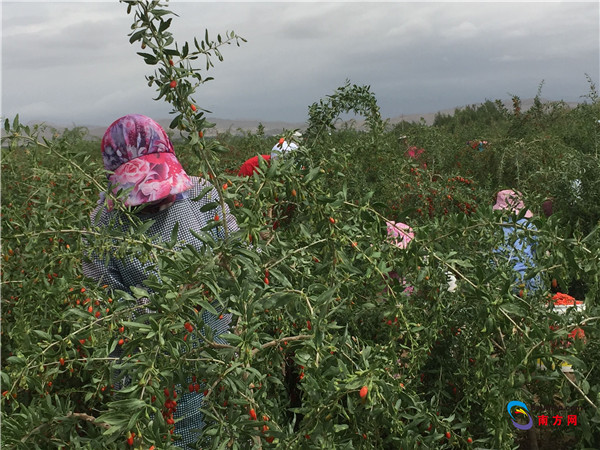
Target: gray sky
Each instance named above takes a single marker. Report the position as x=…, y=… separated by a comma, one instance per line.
x=71, y=63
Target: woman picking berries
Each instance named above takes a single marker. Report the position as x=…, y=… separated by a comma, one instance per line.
x=141, y=160
x=518, y=247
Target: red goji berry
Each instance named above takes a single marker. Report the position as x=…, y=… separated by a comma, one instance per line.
x=363, y=391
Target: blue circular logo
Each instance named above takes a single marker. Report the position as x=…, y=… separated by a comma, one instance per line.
x=517, y=408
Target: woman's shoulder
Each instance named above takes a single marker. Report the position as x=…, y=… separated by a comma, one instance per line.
x=199, y=185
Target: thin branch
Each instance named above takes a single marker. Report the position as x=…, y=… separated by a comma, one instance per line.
x=498, y=346
x=502, y=339
x=79, y=416
x=95, y=233
x=513, y=322
x=580, y=391
x=88, y=418
x=295, y=251
x=589, y=319
x=275, y=342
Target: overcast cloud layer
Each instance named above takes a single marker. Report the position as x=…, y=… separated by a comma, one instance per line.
x=71, y=63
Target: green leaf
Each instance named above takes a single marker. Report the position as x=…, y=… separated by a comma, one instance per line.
x=209, y=206
x=249, y=254
x=5, y=378
x=176, y=121
x=174, y=233
x=141, y=326
x=164, y=25
x=513, y=309
x=203, y=193
x=204, y=237
x=42, y=334
x=138, y=292
x=312, y=174
x=16, y=359
x=231, y=338
x=206, y=305
x=136, y=36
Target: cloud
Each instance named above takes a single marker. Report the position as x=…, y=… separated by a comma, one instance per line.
x=464, y=30
x=73, y=61
x=506, y=59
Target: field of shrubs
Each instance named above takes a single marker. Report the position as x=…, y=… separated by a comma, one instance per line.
x=327, y=349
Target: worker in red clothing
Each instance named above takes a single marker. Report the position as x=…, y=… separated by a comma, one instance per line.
x=251, y=165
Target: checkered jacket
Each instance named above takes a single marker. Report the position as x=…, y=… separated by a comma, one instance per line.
x=123, y=273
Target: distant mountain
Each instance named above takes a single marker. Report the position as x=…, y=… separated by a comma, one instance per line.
x=221, y=126
x=273, y=128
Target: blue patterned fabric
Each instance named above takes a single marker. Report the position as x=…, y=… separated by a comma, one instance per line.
x=123, y=273
x=521, y=253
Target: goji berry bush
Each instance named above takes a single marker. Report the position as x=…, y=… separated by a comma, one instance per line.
x=327, y=348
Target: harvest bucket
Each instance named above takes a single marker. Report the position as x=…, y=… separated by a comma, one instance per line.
x=561, y=303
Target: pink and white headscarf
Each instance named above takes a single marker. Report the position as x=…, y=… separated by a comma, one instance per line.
x=399, y=234
x=511, y=201
x=140, y=154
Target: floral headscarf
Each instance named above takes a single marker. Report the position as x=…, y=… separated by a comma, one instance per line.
x=511, y=201
x=139, y=153
x=400, y=234
x=418, y=154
